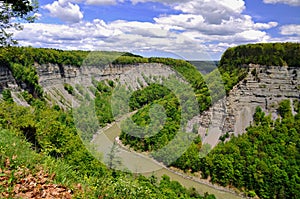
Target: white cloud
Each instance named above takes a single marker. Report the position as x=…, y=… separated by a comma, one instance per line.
x=214, y=11
x=65, y=11
x=293, y=29
x=92, y=2
x=191, y=22
x=204, y=25
x=37, y=16
x=288, y=2
x=214, y=6
x=98, y=35
x=101, y=2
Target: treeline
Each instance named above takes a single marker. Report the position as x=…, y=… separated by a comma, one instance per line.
x=264, y=161
x=234, y=61
x=21, y=60
x=269, y=54
x=40, y=137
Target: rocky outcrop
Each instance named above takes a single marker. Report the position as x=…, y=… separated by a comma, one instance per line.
x=264, y=86
x=52, y=77
x=6, y=79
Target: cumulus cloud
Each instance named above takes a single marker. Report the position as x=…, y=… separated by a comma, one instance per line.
x=65, y=11
x=292, y=29
x=288, y=2
x=214, y=11
x=203, y=25
x=101, y=2
x=92, y=2
x=98, y=35
x=37, y=16
x=191, y=22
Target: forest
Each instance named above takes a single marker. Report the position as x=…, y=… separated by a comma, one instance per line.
x=41, y=138
x=265, y=146
x=47, y=145
x=263, y=162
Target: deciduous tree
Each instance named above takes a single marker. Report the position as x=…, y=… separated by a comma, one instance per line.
x=12, y=12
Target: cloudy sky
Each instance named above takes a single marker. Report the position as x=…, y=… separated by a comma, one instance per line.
x=191, y=29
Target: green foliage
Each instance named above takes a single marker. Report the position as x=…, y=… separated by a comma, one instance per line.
x=151, y=93
x=157, y=134
x=10, y=13
x=28, y=56
x=69, y=88
x=6, y=95
x=285, y=109
x=103, y=103
x=28, y=97
x=234, y=61
x=265, y=160
x=28, y=75
x=270, y=54
x=62, y=152
x=153, y=132
x=11, y=145
x=185, y=69
x=192, y=76
x=190, y=159
x=158, y=121
x=130, y=60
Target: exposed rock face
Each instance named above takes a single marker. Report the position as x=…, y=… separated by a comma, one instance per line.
x=51, y=74
x=52, y=78
x=6, y=79
x=264, y=86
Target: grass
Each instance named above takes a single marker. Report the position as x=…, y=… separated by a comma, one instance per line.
x=11, y=146
x=17, y=151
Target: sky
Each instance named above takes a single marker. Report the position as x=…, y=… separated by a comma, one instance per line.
x=188, y=29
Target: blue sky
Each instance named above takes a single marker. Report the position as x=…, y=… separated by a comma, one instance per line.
x=198, y=30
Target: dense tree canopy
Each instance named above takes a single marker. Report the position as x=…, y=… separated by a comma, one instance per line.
x=42, y=137
x=234, y=61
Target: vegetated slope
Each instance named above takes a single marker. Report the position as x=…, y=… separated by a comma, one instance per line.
x=41, y=141
x=179, y=109
x=264, y=161
x=20, y=61
x=205, y=67
x=56, y=146
x=228, y=164
x=234, y=61
x=232, y=72
x=233, y=68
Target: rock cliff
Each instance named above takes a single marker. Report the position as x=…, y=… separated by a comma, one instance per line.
x=264, y=86
x=6, y=79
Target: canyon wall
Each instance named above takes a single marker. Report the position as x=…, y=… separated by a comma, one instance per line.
x=264, y=86
x=6, y=79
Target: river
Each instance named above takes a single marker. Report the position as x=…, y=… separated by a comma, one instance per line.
x=142, y=164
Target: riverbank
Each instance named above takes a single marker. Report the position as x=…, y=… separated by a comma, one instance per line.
x=141, y=162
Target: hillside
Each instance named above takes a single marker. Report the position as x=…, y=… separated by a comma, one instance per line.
x=42, y=140
x=177, y=114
